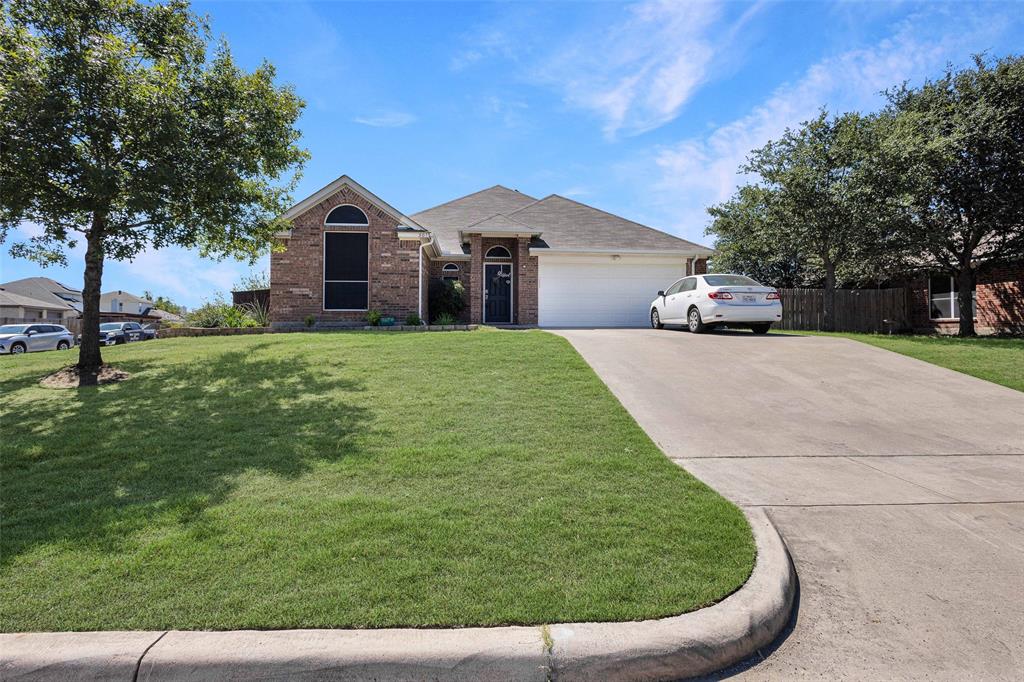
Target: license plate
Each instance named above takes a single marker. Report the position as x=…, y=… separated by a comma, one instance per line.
x=749, y=299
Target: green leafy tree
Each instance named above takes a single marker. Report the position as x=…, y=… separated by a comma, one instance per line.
x=163, y=303
x=810, y=214
x=253, y=281
x=955, y=155
x=120, y=130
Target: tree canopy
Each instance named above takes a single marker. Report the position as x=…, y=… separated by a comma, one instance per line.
x=124, y=126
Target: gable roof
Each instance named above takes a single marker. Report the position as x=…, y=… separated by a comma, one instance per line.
x=449, y=218
x=569, y=225
x=343, y=181
x=8, y=298
x=46, y=289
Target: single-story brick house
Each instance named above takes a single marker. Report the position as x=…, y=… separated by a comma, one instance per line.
x=523, y=261
x=998, y=301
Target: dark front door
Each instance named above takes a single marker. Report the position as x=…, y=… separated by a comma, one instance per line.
x=498, y=293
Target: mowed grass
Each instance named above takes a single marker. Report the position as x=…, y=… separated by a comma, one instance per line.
x=346, y=480
x=999, y=360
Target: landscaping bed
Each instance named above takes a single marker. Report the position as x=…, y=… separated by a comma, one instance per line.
x=346, y=480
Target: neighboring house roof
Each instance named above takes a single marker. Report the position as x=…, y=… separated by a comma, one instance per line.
x=8, y=298
x=46, y=289
x=164, y=315
x=562, y=224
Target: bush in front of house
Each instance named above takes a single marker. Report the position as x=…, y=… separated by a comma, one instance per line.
x=220, y=313
x=446, y=319
x=446, y=297
x=413, y=320
x=373, y=318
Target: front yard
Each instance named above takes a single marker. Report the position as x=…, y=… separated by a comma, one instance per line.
x=999, y=360
x=346, y=480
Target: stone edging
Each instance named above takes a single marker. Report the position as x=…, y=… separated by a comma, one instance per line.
x=668, y=648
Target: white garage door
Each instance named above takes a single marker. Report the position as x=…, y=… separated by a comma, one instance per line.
x=599, y=291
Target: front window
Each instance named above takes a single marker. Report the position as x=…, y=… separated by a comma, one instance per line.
x=729, y=281
x=450, y=271
x=346, y=215
x=346, y=271
x=13, y=329
x=498, y=252
x=942, y=298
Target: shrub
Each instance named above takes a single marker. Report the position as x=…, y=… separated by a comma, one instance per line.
x=310, y=320
x=259, y=312
x=210, y=313
x=446, y=319
x=373, y=318
x=446, y=297
x=413, y=320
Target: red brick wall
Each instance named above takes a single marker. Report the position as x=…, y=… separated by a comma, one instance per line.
x=999, y=304
x=526, y=283
x=296, y=274
x=700, y=266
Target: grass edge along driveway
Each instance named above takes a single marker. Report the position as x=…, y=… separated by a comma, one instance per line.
x=346, y=480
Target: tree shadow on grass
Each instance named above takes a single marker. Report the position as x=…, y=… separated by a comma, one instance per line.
x=97, y=465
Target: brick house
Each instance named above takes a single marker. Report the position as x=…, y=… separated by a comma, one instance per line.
x=522, y=260
x=998, y=301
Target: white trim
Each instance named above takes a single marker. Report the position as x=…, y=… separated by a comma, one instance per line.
x=331, y=188
x=444, y=268
x=954, y=300
x=323, y=273
x=511, y=291
x=498, y=246
x=540, y=251
x=366, y=224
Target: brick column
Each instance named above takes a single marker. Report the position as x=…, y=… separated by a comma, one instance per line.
x=526, y=283
x=701, y=266
x=689, y=266
x=476, y=280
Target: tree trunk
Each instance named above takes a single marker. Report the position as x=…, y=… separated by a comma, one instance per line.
x=829, y=323
x=89, y=359
x=966, y=281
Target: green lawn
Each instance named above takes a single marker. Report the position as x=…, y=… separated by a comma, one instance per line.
x=999, y=360
x=346, y=480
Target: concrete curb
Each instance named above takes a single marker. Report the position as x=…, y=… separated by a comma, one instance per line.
x=668, y=648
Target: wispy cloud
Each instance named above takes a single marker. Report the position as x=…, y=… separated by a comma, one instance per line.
x=700, y=171
x=386, y=119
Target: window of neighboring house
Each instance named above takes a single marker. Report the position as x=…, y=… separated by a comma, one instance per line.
x=346, y=215
x=942, y=298
x=450, y=271
x=346, y=271
x=498, y=252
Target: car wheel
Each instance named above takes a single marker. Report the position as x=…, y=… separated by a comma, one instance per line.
x=17, y=348
x=761, y=328
x=656, y=319
x=693, y=321
x=63, y=345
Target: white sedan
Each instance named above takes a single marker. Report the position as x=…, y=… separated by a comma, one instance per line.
x=706, y=301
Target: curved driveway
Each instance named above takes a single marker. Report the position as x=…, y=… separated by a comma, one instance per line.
x=898, y=485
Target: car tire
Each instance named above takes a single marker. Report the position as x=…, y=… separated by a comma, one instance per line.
x=656, y=319
x=63, y=345
x=18, y=348
x=761, y=328
x=693, y=321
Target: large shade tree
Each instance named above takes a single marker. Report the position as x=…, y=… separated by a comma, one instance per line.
x=955, y=155
x=125, y=128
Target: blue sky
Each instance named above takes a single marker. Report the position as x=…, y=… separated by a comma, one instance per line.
x=643, y=109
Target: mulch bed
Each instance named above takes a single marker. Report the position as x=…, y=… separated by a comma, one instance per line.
x=69, y=377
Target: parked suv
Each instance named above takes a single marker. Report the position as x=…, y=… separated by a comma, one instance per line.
x=116, y=333
x=24, y=338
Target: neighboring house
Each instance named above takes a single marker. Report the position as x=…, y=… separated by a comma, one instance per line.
x=524, y=261
x=998, y=301
x=17, y=307
x=60, y=297
x=165, y=317
x=124, y=302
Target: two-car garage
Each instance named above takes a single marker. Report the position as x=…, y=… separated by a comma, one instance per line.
x=598, y=290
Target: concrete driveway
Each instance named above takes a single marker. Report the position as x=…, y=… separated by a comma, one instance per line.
x=898, y=486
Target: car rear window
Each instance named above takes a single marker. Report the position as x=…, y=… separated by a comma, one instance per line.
x=730, y=281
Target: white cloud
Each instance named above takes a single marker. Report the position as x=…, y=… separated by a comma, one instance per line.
x=700, y=171
x=386, y=119
x=179, y=274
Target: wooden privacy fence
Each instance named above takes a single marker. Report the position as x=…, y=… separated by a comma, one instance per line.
x=857, y=310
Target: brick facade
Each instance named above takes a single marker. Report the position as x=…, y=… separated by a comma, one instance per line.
x=999, y=304
x=296, y=274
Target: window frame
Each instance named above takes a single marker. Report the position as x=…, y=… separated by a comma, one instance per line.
x=488, y=256
x=954, y=300
x=323, y=273
x=365, y=225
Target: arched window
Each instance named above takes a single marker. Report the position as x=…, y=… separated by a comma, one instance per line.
x=450, y=271
x=498, y=252
x=346, y=215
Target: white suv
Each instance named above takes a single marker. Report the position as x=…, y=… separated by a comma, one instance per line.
x=706, y=301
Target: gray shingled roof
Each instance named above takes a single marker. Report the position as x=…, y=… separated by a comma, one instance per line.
x=564, y=223
x=9, y=298
x=46, y=289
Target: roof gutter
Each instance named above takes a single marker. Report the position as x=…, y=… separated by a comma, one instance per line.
x=538, y=251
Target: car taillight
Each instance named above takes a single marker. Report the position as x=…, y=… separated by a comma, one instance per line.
x=720, y=295
x=773, y=296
